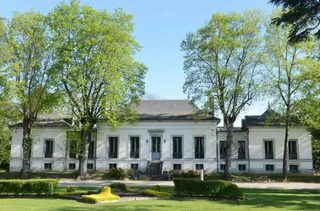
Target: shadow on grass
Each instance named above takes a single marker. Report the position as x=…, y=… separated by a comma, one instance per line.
x=280, y=199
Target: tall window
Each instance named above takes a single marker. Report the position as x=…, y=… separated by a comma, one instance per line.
x=91, y=150
x=199, y=147
x=177, y=147
x=113, y=147
x=268, y=149
x=293, y=153
x=72, y=148
x=48, y=149
x=242, y=150
x=223, y=149
x=134, y=147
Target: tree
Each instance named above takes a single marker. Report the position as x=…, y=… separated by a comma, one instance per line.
x=221, y=65
x=302, y=15
x=316, y=149
x=29, y=74
x=94, y=55
x=286, y=73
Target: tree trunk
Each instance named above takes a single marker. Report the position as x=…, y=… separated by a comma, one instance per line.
x=26, y=148
x=285, y=150
x=83, y=159
x=227, y=171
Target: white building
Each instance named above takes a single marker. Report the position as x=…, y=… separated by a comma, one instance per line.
x=168, y=135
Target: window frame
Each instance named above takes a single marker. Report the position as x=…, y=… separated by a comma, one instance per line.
x=266, y=155
x=113, y=164
x=72, y=168
x=244, y=154
x=175, y=165
x=242, y=169
x=109, y=148
x=134, y=155
x=199, y=155
x=296, y=149
x=220, y=147
x=47, y=163
x=269, y=170
x=93, y=154
x=177, y=155
x=197, y=165
x=45, y=148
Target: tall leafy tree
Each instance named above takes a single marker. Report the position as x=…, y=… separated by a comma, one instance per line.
x=221, y=67
x=302, y=15
x=29, y=74
x=286, y=67
x=100, y=78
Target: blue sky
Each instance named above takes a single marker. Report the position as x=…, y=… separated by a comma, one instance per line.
x=159, y=27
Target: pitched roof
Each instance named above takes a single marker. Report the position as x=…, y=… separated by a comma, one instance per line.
x=267, y=118
x=146, y=110
x=169, y=110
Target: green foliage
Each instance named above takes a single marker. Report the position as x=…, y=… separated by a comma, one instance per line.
x=221, y=64
x=30, y=81
x=154, y=193
x=316, y=149
x=104, y=195
x=38, y=186
x=120, y=186
x=119, y=173
x=71, y=189
x=94, y=58
x=156, y=188
x=186, y=173
x=214, y=188
x=286, y=75
x=302, y=15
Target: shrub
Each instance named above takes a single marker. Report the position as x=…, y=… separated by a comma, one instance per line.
x=71, y=189
x=213, y=188
x=156, y=188
x=104, y=195
x=153, y=193
x=120, y=186
x=20, y=186
x=120, y=173
x=185, y=174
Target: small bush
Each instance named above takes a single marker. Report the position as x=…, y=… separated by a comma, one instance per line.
x=153, y=193
x=213, y=188
x=119, y=173
x=185, y=174
x=71, y=189
x=120, y=186
x=156, y=188
x=20, y=186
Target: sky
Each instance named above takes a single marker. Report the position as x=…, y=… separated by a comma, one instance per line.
x=159, y=27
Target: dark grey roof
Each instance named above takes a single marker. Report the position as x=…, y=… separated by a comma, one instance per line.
x=268, y=118
x=235, y=129
x=59, y=122
x=169, y=110
x=146, y=110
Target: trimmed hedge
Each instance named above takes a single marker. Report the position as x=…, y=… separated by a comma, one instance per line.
x=27, y=186
x=208, y=188
x=119, y=186
x=158, y=194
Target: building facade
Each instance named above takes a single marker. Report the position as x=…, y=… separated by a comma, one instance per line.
x=170, y=133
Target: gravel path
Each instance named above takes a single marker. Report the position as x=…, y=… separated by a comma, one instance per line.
x=142, y=183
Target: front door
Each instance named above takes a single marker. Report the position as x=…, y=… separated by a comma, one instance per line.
x=156, y=143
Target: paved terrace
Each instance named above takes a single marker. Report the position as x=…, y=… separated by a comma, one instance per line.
x=142, y=183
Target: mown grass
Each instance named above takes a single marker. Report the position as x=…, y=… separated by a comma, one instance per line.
x=256, y=199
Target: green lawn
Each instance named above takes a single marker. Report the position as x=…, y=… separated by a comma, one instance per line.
x=257, y=199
